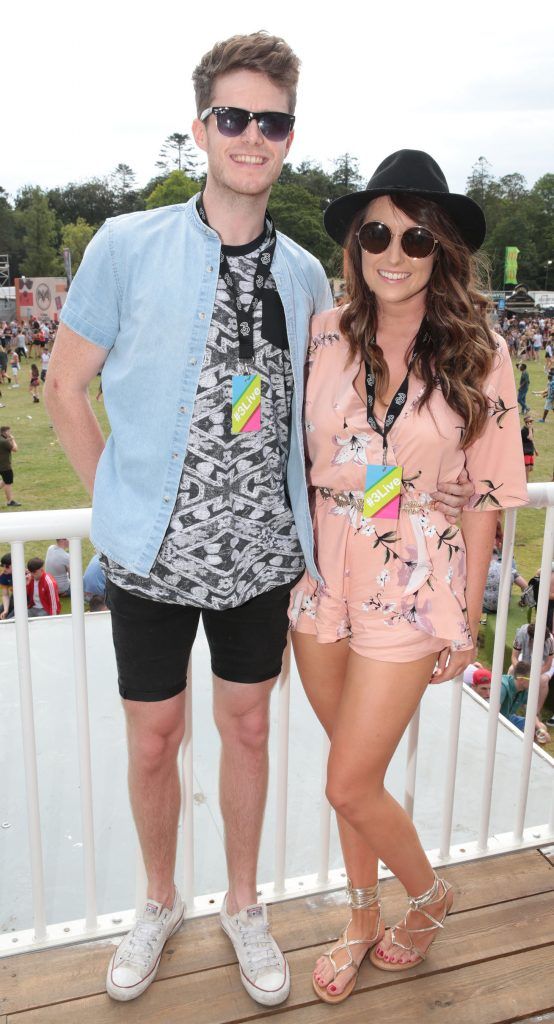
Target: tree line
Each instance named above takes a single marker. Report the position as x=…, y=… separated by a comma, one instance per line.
x=38, y=224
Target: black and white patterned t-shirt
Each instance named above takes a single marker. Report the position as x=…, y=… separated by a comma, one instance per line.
x=232, y=535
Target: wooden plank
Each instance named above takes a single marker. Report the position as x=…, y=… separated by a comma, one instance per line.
x=217, y=996
x=26, y=979
x=548, y=852
x=495, y=992
x=543, y=1018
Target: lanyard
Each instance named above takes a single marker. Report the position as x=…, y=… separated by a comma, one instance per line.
x=399, y=400
x=245, y=317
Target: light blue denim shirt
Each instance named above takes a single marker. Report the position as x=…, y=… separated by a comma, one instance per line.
x=145, y=292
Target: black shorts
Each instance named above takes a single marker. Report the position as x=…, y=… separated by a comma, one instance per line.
x=7, y=475
x=153, y=641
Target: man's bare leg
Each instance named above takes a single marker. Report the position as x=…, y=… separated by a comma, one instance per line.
x=154, y=733
x=241, y=712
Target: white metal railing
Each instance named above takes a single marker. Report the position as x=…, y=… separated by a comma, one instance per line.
x=18, y=528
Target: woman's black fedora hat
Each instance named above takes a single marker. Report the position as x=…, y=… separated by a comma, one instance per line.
x=415, y=172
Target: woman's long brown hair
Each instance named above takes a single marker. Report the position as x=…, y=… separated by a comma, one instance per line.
x=459, y=349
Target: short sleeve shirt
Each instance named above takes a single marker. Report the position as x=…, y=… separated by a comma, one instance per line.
x=232, y=534
x=524, y=643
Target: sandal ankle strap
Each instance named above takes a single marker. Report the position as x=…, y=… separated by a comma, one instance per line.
x=362, y=898
x=430, y=896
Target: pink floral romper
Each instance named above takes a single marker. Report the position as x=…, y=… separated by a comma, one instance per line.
x=396, y=589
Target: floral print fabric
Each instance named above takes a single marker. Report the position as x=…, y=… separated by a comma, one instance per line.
x=395, y=588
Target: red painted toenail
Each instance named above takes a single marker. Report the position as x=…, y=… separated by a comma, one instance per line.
x=332, y=988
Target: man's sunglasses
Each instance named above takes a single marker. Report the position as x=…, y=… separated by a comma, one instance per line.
x=233, y=121
x=417, y=242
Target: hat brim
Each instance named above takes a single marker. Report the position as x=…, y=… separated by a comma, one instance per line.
x=467, y=217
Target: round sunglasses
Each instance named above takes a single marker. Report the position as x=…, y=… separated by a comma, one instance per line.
x=233, y=121
x=418, y=242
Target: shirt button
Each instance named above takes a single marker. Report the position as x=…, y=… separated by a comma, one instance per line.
x=183, y=408
x=175, y=455
x=209, y=269
x=201, y=316
x=192, y=361
x=166, y=497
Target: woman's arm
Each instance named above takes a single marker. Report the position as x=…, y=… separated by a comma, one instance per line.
x=478, y=529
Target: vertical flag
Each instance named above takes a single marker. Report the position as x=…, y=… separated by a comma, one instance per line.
x=67, y=264
x=510, y=264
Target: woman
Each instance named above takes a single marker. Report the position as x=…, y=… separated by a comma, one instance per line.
x=406, y=381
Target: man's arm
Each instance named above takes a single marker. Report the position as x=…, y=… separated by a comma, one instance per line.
x=74, y=363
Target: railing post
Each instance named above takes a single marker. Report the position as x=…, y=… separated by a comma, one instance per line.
x=83, y=730
x=536, y=665
x=411, y=763
x=29, y=740
x=497, y=669
x=451, y=767
x=282, y=773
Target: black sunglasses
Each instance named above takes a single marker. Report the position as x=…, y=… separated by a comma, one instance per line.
x=417, y=242
x=233, y=121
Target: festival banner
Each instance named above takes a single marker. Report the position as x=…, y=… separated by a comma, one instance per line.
x=510, y=264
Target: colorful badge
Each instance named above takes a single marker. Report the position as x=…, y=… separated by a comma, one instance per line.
x=382, y=492
x=247, y=403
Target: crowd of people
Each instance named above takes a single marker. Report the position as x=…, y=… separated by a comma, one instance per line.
x=25, y=340
x=48, y=579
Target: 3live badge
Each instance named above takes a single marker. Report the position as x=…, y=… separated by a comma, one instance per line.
x=246, y=414
x=383, y=485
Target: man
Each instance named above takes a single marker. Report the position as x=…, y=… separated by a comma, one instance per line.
x=6, y=586
x=7, y=446
x=206, y=510
x=42, y=591
x=57, y=565
x=514, y=691
x=492, y=586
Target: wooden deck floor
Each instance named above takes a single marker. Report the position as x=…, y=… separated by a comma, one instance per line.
x=493, y=963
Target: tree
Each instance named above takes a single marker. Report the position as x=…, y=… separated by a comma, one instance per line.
x=76, y=237
x=346, y=177
x=176, y=188
x=126, y=194
x=177, y=151
x=93, y=200
x=38, y=223
x=9, y=240
x=297, y=213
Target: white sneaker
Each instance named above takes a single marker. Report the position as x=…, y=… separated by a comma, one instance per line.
x=264, y=971
x=135, y=962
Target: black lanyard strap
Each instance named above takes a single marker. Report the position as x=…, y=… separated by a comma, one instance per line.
x=245, y=316
x=398, y=402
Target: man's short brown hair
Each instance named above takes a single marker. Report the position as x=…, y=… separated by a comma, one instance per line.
x=269, y=55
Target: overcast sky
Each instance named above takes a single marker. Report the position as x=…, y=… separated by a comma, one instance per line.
x=89, y=85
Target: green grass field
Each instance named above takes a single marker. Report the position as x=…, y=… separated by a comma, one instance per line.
x=45, y=480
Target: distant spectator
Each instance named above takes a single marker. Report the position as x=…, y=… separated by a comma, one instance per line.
x=21, y=347
x=522, y=650
x=528, y=442
x=523, y=388
x=14, y=368
x=34, y=383
x=7, y=446
x=57, y=565
x=548, y=394
x=44, y=359
x=513, y=698
x=479, y=679
x=42, y=590
x=94, y=580
x=492, y=586
x=4, y=379
x=6, y=586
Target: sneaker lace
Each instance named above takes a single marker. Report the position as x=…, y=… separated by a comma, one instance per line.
x=259, y=946
x=141, y=946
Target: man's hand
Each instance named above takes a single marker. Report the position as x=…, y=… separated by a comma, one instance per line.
x=450, y=498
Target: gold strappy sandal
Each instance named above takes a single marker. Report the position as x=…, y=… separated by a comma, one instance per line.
x=358, y=899
x=438, y=892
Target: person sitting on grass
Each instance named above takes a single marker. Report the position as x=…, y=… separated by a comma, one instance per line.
x=42, y=591
x=479, y=679
x=513, y=698
x=6, y=586
x=522, y=650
